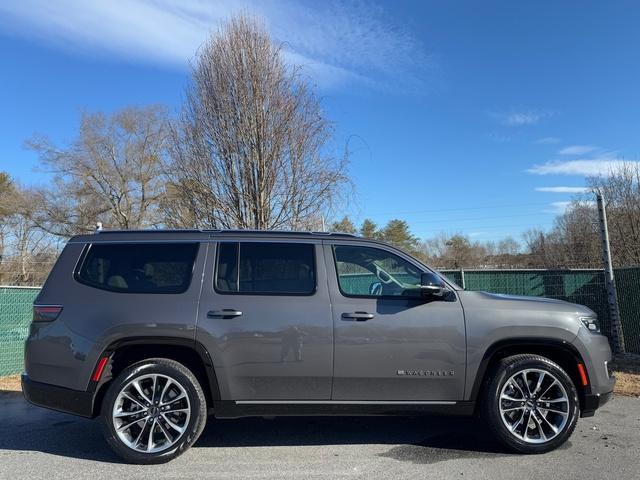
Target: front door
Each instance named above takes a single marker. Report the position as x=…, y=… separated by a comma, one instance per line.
x=391, y=344
x=265, y=319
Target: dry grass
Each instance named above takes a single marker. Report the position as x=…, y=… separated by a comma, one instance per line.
x=10, y=384
x=627, y=372
x=628, y=384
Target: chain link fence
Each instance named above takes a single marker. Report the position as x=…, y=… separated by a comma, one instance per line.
x=586, y=287
x=15, y=317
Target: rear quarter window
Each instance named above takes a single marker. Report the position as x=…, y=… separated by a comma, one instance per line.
x=138, y=267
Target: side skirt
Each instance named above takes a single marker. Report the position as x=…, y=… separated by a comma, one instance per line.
x=238, y=409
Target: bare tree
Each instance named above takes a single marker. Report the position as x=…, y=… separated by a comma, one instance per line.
x=507, y=246
x=112, y=173
x=27, y=251
x=250, y=149
x=573, y=242
x=7, y=192
x=454, y=251
x=621, y=189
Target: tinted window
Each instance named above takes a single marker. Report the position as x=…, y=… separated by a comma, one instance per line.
x=266, y=268
x=227, y=278
x=373, y=272
x=139, y=267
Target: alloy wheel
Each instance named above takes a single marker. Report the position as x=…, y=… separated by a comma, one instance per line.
x=534, y=405
x=151, y=413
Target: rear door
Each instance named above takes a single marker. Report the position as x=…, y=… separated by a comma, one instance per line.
x=390, y=343
x=265, y=318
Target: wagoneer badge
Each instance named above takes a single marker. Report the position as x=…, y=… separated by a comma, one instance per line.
x=427, y=373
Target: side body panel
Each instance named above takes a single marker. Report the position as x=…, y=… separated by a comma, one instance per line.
x=411, y=350
x=65, y=352
x=495, y=318
x=280, y=348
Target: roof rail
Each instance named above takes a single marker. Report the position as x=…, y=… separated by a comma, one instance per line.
x=278, y=232
x=153, y=230
x=230, y=231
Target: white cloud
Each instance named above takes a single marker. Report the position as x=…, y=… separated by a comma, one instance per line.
x=520, y=118
x=559, y=208
x=584, y=167
x=339, y=42
x=562, y=189
x=548, y=141
x=577, y=150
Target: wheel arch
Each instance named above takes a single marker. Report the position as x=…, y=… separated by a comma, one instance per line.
x=124, y=352
x=558, y=351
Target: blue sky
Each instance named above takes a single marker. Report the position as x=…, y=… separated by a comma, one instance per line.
x=461, y=116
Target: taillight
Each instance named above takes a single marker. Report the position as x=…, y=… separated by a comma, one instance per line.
x=46, y=313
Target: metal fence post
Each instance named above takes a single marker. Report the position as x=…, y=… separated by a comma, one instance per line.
x=612, y=294
x=462, y=282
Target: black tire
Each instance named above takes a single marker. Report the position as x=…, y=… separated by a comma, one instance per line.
x=196, y=400
x=502, y=372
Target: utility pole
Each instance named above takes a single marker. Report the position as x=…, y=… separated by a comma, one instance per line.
x=612, y=295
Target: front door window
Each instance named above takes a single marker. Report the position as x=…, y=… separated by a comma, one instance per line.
x=374, y=272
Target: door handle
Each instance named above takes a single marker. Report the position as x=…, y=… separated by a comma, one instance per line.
x=358, y=316
x=224, y=313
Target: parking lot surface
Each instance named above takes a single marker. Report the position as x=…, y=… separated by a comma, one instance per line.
x=38, y=443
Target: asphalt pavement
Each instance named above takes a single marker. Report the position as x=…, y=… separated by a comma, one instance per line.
x=38, y=443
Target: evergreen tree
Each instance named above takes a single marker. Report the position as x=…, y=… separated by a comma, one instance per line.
x=397, y=233
x=344, y=226
x=369, y=229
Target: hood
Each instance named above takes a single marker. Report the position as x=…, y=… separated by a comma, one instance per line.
x=539, y=302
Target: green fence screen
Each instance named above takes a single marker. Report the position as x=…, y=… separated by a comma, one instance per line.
x=628, y=286
x=586, y=287
x=15, y=316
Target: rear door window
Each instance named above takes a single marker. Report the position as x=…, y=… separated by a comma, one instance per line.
x=266, y=268
x=139, y=267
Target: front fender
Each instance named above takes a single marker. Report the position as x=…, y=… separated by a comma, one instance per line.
x=493, y=320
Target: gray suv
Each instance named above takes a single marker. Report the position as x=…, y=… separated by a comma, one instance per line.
x=153, y=330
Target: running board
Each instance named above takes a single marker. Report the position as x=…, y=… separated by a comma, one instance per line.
x=342, y=402
x=264, y=408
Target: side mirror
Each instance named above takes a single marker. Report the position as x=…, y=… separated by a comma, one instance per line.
x=431, y=285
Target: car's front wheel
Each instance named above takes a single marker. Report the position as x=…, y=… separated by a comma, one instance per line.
x=531, y=404
x=153, y=411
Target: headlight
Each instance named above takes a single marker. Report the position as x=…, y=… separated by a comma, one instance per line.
x=591, y=323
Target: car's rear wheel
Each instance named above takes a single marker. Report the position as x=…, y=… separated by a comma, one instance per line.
x=153, y=411
x=531, y=404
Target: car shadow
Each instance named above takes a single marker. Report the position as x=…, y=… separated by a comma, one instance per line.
x=422, y=439
x=413, y=439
